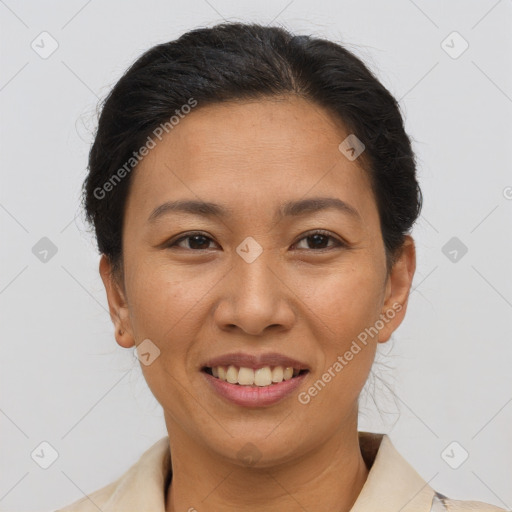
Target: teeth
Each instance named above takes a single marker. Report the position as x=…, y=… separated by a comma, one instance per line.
x=232, y=374
x=246, y=376
x=261, y=377
x=277, y=374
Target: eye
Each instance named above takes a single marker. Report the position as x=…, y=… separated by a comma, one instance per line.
x=196, y=241
x=318, y=239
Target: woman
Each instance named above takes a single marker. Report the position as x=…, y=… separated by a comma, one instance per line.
x=252, y=194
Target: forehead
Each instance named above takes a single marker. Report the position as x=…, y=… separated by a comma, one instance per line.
x=286, y=125
x=249, y=151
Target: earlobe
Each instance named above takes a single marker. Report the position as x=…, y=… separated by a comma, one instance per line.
x=398, y=287
x=117, y=304
x=124, y=339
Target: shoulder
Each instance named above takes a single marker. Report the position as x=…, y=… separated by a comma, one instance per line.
x=140, y=488
x=441, y=503
x=456, y=505
x=93, y=502
x=393, y=484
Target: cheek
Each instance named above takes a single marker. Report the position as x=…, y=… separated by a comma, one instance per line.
x=164, y=305
x=163, y=300
x=346, y=305
x=345, y=299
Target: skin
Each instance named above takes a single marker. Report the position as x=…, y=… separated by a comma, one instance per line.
x=199, y=301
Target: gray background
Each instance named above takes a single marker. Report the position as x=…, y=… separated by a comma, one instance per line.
x=444, y=377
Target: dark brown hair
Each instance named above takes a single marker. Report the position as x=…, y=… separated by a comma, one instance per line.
x=234, y=61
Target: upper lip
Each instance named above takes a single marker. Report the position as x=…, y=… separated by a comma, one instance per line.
x=255, y=361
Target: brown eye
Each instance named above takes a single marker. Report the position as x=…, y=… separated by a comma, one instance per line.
x=196, y=242
x=319, y=240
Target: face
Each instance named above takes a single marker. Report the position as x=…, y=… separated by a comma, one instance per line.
x=262, y=272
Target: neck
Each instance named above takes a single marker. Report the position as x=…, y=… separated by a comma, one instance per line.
x=327, y=478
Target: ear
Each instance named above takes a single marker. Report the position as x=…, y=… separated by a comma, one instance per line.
x=398, y=286
x=117, y=304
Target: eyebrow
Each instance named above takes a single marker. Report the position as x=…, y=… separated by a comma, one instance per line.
x=288, y=209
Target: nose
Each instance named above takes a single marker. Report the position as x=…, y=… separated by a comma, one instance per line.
x=255, y=298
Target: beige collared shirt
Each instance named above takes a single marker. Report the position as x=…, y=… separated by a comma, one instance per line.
x=392, y=485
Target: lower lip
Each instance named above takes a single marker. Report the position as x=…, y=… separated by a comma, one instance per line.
x=254, y=396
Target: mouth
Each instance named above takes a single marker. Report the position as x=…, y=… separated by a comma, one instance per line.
x=254, y=380
x=266, y=376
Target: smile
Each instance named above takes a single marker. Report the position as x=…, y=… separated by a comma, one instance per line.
x=255, y=377
x=264, y=394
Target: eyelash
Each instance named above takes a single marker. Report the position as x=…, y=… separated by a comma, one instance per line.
x=339, y=243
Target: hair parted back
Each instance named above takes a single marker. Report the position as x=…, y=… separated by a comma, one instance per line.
x=238, y=61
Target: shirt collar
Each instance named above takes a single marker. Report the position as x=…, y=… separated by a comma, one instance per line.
x=392, y=484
